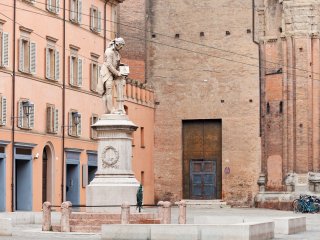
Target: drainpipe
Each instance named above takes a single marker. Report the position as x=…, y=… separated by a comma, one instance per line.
x=63, y=100
x=13, y=197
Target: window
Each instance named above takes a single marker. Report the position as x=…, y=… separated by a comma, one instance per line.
x=26, y=114
x=93, y=132
x=53, y=6
x=27, y=56
x=142, y=137
x=3, y=110
x=4, y=49
x=74, y=123
x=75, y=11
x=52, y=119
x=95, y=19
x=95, y=70
x=75, y=71
x=52, y=63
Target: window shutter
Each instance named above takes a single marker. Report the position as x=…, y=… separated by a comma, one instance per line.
x=49, y=6
x=3, y=111
x=49, y=119
x=79, y=126
x=91, y=77
x=56, y=121
x=32, y=57
x=21, y=56
x=85, y=179
x=20, y=114
x=31, y=117
x=5, y=49
x=91, y=19
x=57, y=65
x=79, y=72
x=99, y=21
x=72, y=12
x=79, y=11
x=70, y=126
x=57, y=6
x=48, y=63
x=71, y=71
x=99, y=70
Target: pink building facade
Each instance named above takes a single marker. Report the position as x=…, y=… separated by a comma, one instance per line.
x=49, y=66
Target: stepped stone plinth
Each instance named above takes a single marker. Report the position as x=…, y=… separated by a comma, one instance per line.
x=114, y=182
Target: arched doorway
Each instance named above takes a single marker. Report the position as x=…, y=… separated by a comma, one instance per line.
x=48, y=174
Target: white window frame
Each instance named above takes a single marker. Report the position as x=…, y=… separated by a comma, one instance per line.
x=73, y=129
x=95, y=69
x=4, y=45
x=55, y=74
x=3, y=110
x=25, y=122
x=52, y=119
x=93, y=133
x=95, y=19
x=31, y=50
x=75, y=77
x=53, y=8
x=76, y=11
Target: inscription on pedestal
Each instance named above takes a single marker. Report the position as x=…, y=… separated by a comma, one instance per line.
x=110, y=157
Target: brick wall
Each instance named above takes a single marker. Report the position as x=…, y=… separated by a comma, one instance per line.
x=131, y=27
x=199, y=84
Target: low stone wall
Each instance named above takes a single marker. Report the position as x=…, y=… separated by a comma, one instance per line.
x=242, y=231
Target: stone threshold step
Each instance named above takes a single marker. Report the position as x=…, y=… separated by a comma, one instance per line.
x=215, y=203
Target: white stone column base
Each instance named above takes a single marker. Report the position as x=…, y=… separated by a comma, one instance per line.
x=108, y=190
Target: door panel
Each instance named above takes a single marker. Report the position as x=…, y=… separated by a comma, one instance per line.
x=203, y=181
x=202, y=140
x=23, y=185
x=73, y=184
x=2, y=184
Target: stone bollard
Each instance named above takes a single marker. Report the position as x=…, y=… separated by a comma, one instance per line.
x=65, y=216
x=317, y=187
x=46, y=216
x=160, y=211
x=182, y=212
x=125, y=213
x=167, y=213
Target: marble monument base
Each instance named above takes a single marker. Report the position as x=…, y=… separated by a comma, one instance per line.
x=111, y=191
x=114, y=182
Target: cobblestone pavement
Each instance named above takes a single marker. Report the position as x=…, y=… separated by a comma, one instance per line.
x=33, y=232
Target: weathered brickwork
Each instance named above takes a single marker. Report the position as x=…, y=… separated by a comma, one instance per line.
x=132, y=26
x=290, y=89
x=214, y=74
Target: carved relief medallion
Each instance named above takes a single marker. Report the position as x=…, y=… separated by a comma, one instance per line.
x=109, y=157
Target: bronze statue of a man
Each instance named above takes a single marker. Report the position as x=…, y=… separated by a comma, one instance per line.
x=110, y=72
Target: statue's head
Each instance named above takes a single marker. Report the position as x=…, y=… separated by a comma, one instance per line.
x=119, y=43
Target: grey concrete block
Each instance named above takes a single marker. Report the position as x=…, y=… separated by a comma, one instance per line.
x=125, y=232
x=5, y=227
x=242, y=231
x=174, y=232
x=290, y=225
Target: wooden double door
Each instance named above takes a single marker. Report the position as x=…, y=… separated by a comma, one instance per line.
x=202, y=149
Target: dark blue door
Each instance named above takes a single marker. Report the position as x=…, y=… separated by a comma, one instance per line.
x=73, y=184
x=23, y=185
x=2, y=183
x=203, y=179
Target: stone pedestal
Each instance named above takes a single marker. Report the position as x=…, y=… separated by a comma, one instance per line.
x=114, y=182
